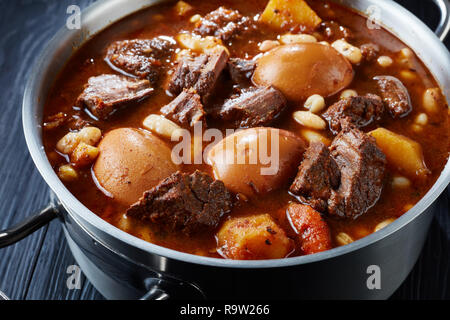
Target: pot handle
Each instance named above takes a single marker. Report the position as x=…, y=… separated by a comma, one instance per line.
x=29, y=225
x=3, y=296
x=161, y=288
x=443, y=27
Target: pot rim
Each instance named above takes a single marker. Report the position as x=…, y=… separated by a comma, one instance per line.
x=31, y=118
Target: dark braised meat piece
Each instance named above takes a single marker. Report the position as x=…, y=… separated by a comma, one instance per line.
x=395, y=95
x=223, y=23
x=200, y=73
x=317, y=176
x=186, y=109
x=182, y=202
x=74, y=122
x=334, y=31
x=78, y=123
x=360, y=111
x=254, y=107
x=370, y=51
x=55, y=121
x=105, y=93
x=141, y=58
x=362, y=166
x=241, y=70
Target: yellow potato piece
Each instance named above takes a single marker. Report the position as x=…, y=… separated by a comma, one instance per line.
x=280, y=13
x=182, y=8
x=253, y=238
x=401, y=152
x=84, y=155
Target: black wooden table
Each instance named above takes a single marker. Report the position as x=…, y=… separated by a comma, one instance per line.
x=36, y=268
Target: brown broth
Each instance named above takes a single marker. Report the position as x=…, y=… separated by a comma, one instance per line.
x=162, y=20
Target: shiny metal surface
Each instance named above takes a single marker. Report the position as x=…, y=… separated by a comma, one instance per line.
x=3, y=296
x=25, y=228
x=443, y=28
x=395, y=248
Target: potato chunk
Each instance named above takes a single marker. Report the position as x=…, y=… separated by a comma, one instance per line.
x=313, y=232
x=182, y=8
x=281, y=13
x=401, y=152
x=253, y=238
x=84, y=155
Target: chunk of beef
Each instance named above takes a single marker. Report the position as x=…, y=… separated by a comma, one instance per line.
x=223, y=23
x=187, y=74
x=200, y=73
x=105, y=93
x=74, y=122
x=395, y=95
x=362, y=166
x=141, y=58
x=186, y=109
x=254, y=107
x=370, y=51
x=55, y=121
x=182, y=202
x=318, y=175
x=332, y=30
x=360, y=111
x=241, y=70
x=77, y=123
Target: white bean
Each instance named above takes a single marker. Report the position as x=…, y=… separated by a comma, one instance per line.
x=312, y=136
x=406, y=57
x=421, y=119
x=267, y=45
x=408, y=75
x=343, y=238
x=309, y=119
x=68, y=143
x=195, y=18
x=160, y=125
x=315, y=103
x=124, y=223
x=385, y=61
x=400, y=182
x=406, y=53
x=431, y=98
x=297, y=38
x=199, y=44
x=383, y=224
x=352, y=53
x=90, y=135
x=348, y=93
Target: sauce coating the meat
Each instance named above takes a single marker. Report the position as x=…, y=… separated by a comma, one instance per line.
x=216, y=75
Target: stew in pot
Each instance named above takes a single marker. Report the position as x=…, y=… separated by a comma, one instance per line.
x=247, y=129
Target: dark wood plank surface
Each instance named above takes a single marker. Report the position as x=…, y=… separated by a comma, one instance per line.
x=35, y=268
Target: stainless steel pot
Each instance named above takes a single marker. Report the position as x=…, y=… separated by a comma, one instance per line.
x=124, y=267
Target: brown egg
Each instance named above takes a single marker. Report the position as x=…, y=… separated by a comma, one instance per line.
x=301, y=70
x=241, y=162
x=130, y=162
